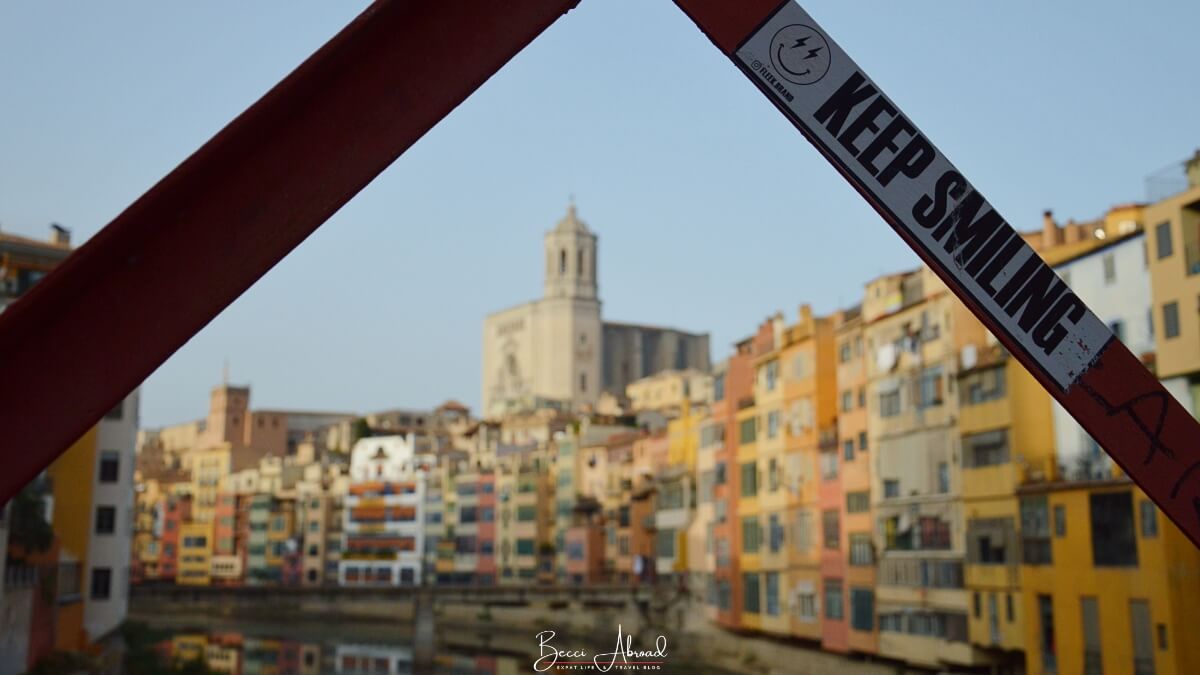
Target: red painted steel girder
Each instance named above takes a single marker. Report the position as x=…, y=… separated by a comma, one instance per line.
x=1154, y=439
x=121, y=304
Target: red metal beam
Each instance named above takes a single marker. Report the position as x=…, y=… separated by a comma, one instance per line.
x=119, y=306
x=1112, y=395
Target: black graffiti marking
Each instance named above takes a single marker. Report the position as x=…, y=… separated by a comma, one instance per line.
x=1153, y=435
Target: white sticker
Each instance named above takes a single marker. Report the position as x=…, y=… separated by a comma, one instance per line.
x=920, y=192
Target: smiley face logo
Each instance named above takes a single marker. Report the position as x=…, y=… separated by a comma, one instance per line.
x=800, y=54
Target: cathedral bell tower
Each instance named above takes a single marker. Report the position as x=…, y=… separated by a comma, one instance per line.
x=570, y=259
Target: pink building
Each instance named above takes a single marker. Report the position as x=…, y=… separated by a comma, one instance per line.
x=485, y=567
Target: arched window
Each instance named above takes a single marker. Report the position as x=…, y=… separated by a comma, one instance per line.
x=562, y=261
x=579, y=263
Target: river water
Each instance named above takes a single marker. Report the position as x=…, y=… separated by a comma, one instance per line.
x=306, y=647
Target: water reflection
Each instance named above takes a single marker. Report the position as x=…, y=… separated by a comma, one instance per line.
x=241, y=654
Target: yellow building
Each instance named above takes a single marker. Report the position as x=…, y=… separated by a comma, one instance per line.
x=1109, y=583
x=747, y=519
x=1007, y=439
x=669, y=391
x=683, y=435
x=763, y=508
x=209, y=467
x=195, y=554
x=1173, y=252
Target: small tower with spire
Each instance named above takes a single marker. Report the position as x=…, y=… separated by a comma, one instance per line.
x=570, y=258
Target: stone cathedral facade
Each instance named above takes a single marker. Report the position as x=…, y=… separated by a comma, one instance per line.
x=557, y=351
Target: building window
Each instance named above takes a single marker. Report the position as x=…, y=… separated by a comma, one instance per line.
x=1149, y=517
x=562, y=261
x=943, y=478
x=862, y=397
x=773, y=424
x=987, y=540
x=1035, y=531
x=848, y=449
x=751, y=536
x=750, y=592
x=1110, y=268
x=803, y=525
x=772, y=475
x=833, y=600
x=930, y=388
x=889, y=403
x=989, y=448
x=1143, y=645
x=747, y=430
x=101, y=588
x=858, y=502
x=829, y=464
x=862, y=552
x=719, y=387
x=775, y=533
x=1162, y=235
x=772, y=593
x=749, y=479
x=1009, y=610
x=110, y=466
x=844, y=352
x=1171, y=320
x=891, y=488
x=1089, y=611
x=862, y=609
x=831, y=529
x=847, y=400
x=982, y=386
x=806, y=606
x=106, y=519
x=583, y=382
x=1046, y=634
x=1113, y=540
x=771, y=375
x=862, y=441
x=665, y=544
x=1060, y=521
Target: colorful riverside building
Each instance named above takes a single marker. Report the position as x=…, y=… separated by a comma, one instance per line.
x=733, y=386
x=195, y=554
x=858, y=520
x=809, y=374
x=759, y=444
x=1108, y=583
x=384, y=517
x=1173, y=253
x=912, y=326
x=1006, y=440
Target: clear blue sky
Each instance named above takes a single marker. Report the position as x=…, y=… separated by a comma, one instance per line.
x=712, y=211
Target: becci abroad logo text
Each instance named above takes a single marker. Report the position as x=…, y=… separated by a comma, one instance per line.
x=624, y=657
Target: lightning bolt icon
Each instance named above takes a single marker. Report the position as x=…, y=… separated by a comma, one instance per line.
x=812, y=53
x=801, y=41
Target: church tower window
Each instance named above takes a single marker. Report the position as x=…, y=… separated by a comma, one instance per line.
x=562, y=261
x=579, y=263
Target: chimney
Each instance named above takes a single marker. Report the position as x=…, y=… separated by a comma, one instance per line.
x=1050, y=233
x=1076, y=232
x=59, y=235
x=806, y=314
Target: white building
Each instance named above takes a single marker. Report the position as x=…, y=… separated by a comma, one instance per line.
x=1113, y=280
x=556, y=351
x=383, y=533
x=108, y=553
